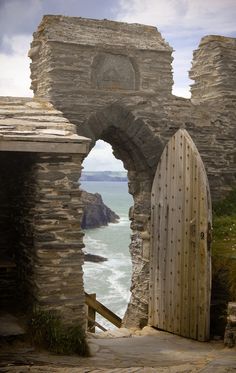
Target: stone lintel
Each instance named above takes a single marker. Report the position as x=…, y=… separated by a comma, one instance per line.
x=48, y=146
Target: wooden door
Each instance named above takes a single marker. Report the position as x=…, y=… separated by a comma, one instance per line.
x=180, y=260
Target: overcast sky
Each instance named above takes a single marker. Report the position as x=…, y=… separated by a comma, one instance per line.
x=181, y=22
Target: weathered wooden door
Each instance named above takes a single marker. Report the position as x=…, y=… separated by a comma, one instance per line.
x=180, y=260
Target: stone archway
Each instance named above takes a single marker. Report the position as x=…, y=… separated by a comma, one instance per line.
x=113, y=81
x=109, y=93
x=128, y=137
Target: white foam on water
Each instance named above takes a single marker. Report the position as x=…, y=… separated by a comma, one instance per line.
x=94, y=246
x=110, y=280
x=123, y=222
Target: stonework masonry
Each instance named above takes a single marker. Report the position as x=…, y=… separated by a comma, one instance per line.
x=43, y=236
x=213, y=69
x=56, y=216
x=41, y=240
x=113, y=81
x=230, y=330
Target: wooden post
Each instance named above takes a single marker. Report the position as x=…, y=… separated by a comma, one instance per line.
x=91, y=316
x=103, y=310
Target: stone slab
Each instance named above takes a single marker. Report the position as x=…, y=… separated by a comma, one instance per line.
x=43, y=146
x=9, y=326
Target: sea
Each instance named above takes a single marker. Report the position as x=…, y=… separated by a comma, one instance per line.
x=110, y=280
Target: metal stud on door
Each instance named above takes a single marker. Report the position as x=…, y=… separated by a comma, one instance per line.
x=180, y=261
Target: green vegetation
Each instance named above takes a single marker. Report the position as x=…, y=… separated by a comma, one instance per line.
x=224, y=240
x=223, y=260
x=224, y=249
x=227, y=206
x=48, y=331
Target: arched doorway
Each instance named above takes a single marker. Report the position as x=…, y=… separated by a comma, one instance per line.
x=119, y=89
x=107, y=256
x=130, y=140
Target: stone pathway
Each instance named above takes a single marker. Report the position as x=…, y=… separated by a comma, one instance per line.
x=150, y=351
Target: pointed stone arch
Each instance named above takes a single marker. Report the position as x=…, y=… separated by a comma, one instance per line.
x=133, y=109
x=133, y=143
x=117, y=125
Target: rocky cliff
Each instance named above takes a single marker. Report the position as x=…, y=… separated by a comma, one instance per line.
x=96, y=213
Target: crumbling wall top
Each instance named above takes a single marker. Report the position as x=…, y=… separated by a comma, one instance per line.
x=214, y=69
x=218, y=39
x=91, y=32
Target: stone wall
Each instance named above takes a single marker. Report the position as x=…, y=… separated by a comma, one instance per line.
x=55, y=219
x=214, y=69
x=98, y=55
x=230, y=331
x=40, y=232
x=113, y=81
x=80, y=65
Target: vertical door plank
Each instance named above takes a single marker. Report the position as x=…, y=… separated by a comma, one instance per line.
x=180, y=265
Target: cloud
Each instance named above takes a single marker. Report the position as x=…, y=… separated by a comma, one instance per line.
x=18, y=17
x=210, y=16
x=181, y=66
x=150, y=12
x=15, y=71
x=24, y=16
x=182, y=23
x=18, y=44
x=18, y=20
x=101, y=158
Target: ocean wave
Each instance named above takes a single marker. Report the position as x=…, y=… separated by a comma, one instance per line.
x=113, y=248
x=110, y=280
x=120, y=290
x=123, y=221
x=95, y=246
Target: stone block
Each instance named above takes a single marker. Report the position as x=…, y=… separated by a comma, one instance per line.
x=230, y=330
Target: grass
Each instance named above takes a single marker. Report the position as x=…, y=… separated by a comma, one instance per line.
x=223, y=260
x=226, y=207
x=47, y=330
x=224, y=241
x=224, y=227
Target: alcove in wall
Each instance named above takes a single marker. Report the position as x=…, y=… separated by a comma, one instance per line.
x=16, y=196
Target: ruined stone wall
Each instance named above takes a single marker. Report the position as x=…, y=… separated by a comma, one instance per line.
x=57, y=282
x=40, y=213
x=114, y=80
x=98, y=55
x=214, y=69
x=214, y=95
